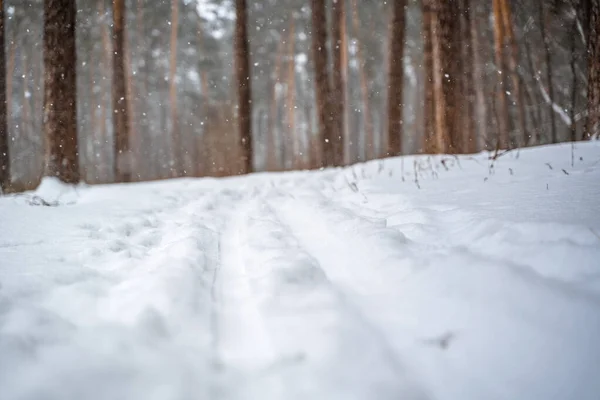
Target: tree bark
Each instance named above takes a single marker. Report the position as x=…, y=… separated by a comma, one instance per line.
x=593, y=51
x=396, y=79
x=60, y=100
x=293, y=136
x=322, y=88
x=273, y=146
x=244, y=80
x=549, y=73
x=338, y=89
x=513, y=62
x=176, y=145
x=122, y=156
x=480, y=107
x=429, y=145
x=444, y=74
x=4, y=151
x=503, y=139
x=364, y=87
x=468, y=144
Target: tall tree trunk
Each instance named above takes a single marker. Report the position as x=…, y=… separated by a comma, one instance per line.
x=106, y=50
x=445, y=76
x=364, y=87
x=593, y=51
x=478, y=82
x=244, y=80
x=4, y=155
x=573, y=65
x=429, y=143
x=322, y=89
x=122, y=156
x=176, y=144
x=396, y=80
x=349, y=147
x=513, y=62
x=338, y=94
x=467, y=77
x=273, y=140
x=549, y=73
x=501, y=105
x=293, y=136
x=60, y=91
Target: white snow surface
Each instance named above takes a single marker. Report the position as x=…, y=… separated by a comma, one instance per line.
x=426, y=278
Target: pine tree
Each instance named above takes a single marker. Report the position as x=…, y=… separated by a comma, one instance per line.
x=60, y=100
x=593, y=50
x=396, y=79
x=176, y=149
x=322, y=88
x=123, y=157
x=4, y=157
x=339, y=89
x=244, y=80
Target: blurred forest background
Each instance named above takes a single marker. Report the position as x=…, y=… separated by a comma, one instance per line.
x=471, y=75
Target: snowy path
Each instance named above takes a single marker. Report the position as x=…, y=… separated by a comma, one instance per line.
x=337, y=285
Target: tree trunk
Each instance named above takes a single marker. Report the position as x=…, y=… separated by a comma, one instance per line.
x=273, y=143
x=4, y=155
x=293, y=136
x=429, y=145
x=176, y=145
x=322, y=89
x=60, y=91
x=480, y=107
x=364, y=87
x=122, y=156
x=513, y=62
x=445, y=76
x=106, y=50
x=338, y=89
x=396, y=79
x=593, y=50
x=503, y=139
x=244, y=80
x=468, y=78
x=549, y=73
x=573, y=65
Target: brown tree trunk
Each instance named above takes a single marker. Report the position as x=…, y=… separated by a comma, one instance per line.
x=349, y=147
x=293, y=136
x=501, y=106
x=549, y=73
x=122, y=160
x=176, y=145
x=60, y=91
x=573, y=65
x=4, y=155
x=468, y=143
x=513, y=62
x=478, y=82
x=338, y=93
x=593, y=50
x=396, y=80
x=106, y=57
x=445, y=76
x=273, y=142
x=429, y=145
x=322, y=88
x=244, y=80
x=364, y=87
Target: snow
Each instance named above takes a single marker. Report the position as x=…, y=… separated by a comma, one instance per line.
x=416, y=278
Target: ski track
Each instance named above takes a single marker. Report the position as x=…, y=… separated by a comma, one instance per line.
x=298, y=287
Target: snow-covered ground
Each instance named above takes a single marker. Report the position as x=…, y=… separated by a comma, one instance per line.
x=413, y=278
